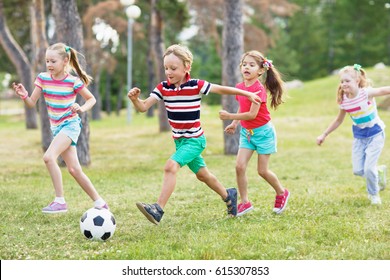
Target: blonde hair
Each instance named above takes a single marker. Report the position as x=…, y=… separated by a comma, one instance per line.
x=65, y=51
x=358, y=74
x=273, y=81
x=181, y=52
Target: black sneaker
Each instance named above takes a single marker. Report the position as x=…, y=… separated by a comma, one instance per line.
x=231, y=202
x=153, y=212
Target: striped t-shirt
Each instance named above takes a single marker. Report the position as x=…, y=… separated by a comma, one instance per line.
x=364, y=114
x=183, y=106
x=59, y=96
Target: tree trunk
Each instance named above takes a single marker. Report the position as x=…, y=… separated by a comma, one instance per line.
x=151, y=75
x=232, y=38
x=40, y=44
x=156, y=30
x=21, y=63
x=69, y=31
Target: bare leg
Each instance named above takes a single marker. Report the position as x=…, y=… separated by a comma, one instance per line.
x=268, y=175
x=210, y=180
x=74, y=168
x=243, y=158
x=59, y=144
x=169, y=182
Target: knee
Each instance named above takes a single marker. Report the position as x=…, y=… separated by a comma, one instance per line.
x=205, y=176
x=202, y=177
x=240, y=168
x=171, y=167
x=74, y=170
x=358, y=172
x=262, y=172
x=48, y=158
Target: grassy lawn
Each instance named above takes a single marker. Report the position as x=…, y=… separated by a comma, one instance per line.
x=328, y=217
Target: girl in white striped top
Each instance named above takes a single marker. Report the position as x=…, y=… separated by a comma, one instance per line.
x=357, y=98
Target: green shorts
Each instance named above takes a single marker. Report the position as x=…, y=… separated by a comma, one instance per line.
x=70, y=128
x=188, y=152
x=262, y=139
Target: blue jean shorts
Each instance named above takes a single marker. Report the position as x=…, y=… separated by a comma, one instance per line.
x=188, y=152
x=70, y=128
x=262, y=139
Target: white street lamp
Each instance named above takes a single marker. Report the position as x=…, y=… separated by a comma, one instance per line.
x=132, y=12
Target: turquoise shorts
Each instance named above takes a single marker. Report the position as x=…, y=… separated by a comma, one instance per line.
x=262, y=139
x=188, y=152
x=70, y=128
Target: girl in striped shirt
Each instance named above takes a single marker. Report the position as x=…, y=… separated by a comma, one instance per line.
x=356, y=98
x=60, y=89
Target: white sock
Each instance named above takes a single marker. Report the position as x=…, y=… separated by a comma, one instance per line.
x=60, y=200
x=99, y=202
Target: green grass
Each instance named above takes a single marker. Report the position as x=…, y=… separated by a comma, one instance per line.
x=328, y=216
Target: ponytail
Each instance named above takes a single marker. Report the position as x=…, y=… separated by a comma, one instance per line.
x=74, y=63
x=274, y=84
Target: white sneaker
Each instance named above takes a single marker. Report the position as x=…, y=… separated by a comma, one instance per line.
x=375, y=199
x=382, y=177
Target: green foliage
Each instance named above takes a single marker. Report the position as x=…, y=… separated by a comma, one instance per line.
x=328, y=217
x=206, y=66
x=327, y=35
x=284, y=58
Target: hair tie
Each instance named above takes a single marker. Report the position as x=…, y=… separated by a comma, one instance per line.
x=267, y=63
x=357, y=67
x=67, y=48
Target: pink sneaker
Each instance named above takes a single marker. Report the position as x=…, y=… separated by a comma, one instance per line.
x=55, y=207
x=281, y=202
x=244, y=208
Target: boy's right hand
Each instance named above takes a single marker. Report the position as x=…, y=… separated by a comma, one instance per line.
x=134, y=93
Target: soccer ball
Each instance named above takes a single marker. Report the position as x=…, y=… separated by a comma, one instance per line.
x=97, y=224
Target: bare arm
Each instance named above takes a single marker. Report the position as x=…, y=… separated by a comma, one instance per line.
x=333, y=126
x=30, y=101
x=245, y=116
x=253, y=97
x=231, y=128
x=89, y=101
x=139, y=104
x=373, y=92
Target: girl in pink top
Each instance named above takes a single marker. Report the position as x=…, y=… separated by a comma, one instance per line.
x=257, y=132
x=59, y=88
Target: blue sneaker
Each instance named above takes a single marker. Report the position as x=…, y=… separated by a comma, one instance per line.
x=231, y=202
x=153, y=212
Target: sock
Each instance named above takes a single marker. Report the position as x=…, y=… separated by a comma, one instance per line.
x=99, y=202
x=60, y=200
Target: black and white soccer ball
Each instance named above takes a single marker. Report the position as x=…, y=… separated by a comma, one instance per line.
x=97, y=224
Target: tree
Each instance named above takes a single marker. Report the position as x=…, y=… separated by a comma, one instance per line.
x=157, y=50
x=232, y=40
x=20, y=61
x=68, y=30
x=39, y=46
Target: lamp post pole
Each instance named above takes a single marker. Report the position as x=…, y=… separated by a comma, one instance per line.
x=132, y=12
x=129, y=63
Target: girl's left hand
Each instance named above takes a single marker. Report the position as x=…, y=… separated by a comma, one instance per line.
x=76, y=108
